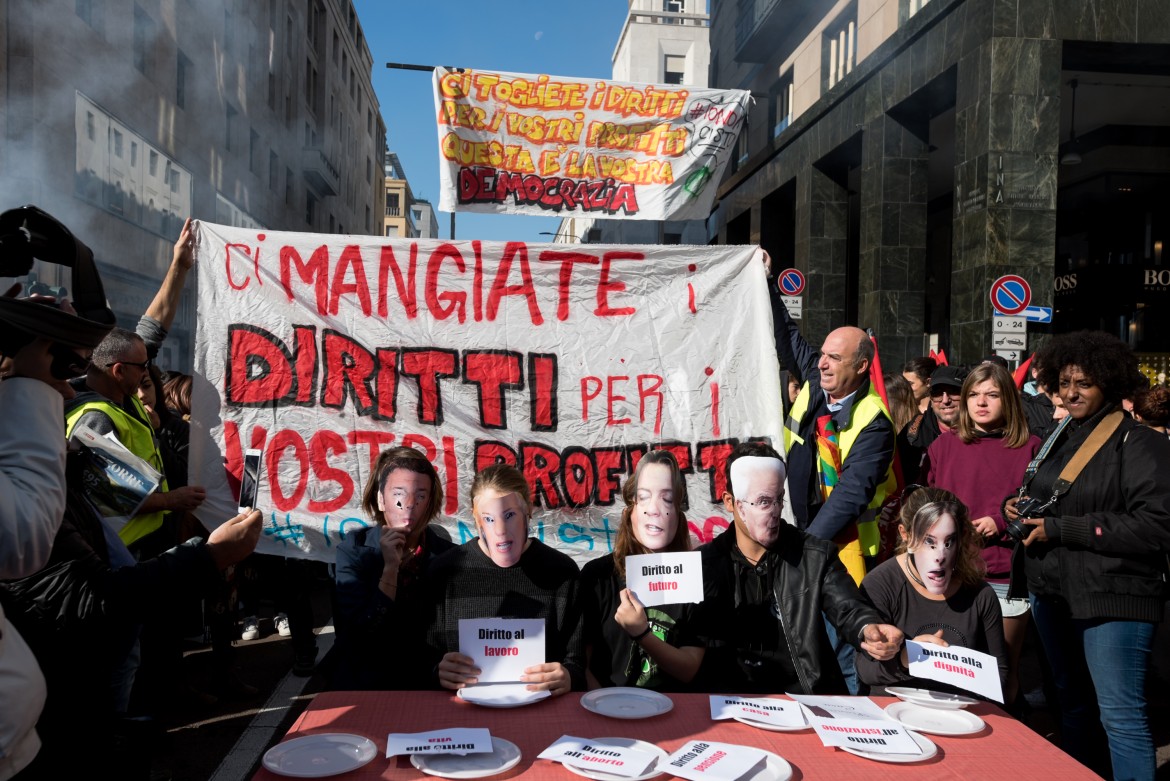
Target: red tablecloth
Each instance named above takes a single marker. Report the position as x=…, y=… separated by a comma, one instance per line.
x=1005, y=750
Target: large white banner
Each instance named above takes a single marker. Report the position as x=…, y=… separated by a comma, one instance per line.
x=571, y=363
x=519, y=143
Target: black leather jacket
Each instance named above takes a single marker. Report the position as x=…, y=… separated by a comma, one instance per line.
x=810, y=581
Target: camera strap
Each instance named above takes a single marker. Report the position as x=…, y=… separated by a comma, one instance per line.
x=1085, y=452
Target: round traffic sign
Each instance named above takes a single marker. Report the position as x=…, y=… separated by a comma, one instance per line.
x=1011, y=294
x=791, y=282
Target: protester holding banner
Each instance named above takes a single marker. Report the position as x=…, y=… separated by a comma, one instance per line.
x=504, y=572
x=378, y=574
x=982, y=461
x=1096, y=552
x=626, y=643
x=933, y=590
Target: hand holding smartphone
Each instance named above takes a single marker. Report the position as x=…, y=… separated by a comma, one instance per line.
x=250, y=480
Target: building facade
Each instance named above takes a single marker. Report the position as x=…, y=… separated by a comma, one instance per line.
x=398, y=219
x=424, y=219
x=662, y=42
x=905, y=154
x=123, y=117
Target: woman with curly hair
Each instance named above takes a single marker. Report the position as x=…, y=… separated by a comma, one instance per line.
x=933, y=590
x=982, y=461
x=626, y=643
x=1096, y=552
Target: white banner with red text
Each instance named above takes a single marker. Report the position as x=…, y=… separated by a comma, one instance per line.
x=519, y=143
x=324, y=350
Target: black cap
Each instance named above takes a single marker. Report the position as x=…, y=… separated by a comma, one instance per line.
x=951, y=376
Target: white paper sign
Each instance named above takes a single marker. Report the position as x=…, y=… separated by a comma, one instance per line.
x=856, y=722
x=581, y=752
x=782, y=713
x=666, y=578
x=442, y=741
x=502, y=648
x=955, y=665
x=700, y=760
x=879, y=736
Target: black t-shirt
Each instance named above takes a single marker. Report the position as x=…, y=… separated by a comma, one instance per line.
x=616, y=659
x=749, y=649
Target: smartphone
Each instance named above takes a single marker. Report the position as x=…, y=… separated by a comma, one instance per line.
x=250, y=483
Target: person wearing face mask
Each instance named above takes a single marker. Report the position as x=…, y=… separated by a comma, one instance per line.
x=507, y=574
x=933, y=590
x=1096, y=551
x=769, y=590
x=982, y=461
x=626, y=643
x=379, y=600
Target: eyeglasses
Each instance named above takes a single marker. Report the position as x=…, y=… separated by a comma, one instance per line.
x=143, y=365
x=940, y=392
x=764, y=503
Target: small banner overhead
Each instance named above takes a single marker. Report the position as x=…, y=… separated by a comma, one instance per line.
x=324, y=350
x=512, y=143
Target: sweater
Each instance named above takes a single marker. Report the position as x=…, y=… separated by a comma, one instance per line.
x=971, y=619
x=465, y=583
x=982, y=474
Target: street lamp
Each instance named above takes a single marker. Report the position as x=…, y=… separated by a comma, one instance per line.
x=405, y=66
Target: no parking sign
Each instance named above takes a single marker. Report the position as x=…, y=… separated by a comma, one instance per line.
x=791, y=284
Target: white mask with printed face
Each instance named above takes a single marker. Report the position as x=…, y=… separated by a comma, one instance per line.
x=936, y=554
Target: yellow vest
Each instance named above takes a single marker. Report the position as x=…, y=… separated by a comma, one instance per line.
x=864, y=412
x=138, y=438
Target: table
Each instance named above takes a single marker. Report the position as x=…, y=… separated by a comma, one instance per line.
x=1005, y=750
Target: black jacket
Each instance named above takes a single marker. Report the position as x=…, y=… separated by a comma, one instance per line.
x=810, y=585
x=864, y=468
x=79, y=616
x=1109, y=536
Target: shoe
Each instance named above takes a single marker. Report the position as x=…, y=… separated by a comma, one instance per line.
x=281, y=622
x=304, y=662
x=251, y=628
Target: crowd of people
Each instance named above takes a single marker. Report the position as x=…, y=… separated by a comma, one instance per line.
x=950, y=510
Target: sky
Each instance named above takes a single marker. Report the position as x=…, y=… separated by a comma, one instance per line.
x=520, y=36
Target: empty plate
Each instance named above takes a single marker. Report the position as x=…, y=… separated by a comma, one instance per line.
x=626, y=702
x=505, y=756
x=931, y=699
x=319, y=756
x=502, y=695
x=924, y=743
x=655, y=768
x=936, y=721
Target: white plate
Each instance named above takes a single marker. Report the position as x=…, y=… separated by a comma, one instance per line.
x=505, y=756
x=924, y=743
x=502, y=695
x=319, y=756
x=654, y=770
x=936, y=721
x=776, y=768
x=626, y=702
x=931, y=699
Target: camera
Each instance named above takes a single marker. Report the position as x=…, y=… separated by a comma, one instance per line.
x=27, y=234
x=1027, y=507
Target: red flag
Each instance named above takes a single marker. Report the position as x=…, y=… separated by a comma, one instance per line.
x=934, y=356
x=1021, y=374
x=942, y=359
